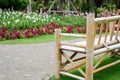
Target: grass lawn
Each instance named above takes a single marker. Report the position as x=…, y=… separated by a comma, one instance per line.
x=37, y=39
x=111, y=73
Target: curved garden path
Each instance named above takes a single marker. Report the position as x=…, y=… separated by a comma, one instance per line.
x=27, y=61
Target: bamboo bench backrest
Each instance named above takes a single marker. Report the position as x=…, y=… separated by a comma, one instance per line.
x=109, y=29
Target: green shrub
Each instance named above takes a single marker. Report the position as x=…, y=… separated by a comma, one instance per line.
x=15, y=4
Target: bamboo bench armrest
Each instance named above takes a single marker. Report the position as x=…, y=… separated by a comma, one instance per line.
x=107, y=18
x=73, y=35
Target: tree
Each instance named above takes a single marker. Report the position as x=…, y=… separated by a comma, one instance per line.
x=15, y=4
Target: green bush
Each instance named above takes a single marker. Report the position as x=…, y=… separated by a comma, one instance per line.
x=19, y=19
x=15, y=4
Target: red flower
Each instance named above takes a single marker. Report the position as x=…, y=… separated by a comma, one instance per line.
x=12, y=35
x=84, y=29
x=69, y=29
x=49, y=29
x=3, y=31
x=40, y=31
x=1, y=38
x=78, y=29
x=18, y=34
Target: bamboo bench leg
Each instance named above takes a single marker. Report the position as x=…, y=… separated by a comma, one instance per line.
x=58, y=53
x=89, y=67
x=90, y=46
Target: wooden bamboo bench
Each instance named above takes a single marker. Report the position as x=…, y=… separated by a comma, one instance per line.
x=93, y=45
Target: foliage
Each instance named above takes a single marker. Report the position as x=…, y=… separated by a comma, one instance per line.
x=15, y=4
x=23, y=21
x=111, y=73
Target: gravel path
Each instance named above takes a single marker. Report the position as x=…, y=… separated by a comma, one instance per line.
x=27, y=61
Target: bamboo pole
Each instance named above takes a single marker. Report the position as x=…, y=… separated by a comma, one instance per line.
x=73, y=35
x=76, y=65
x=112, y=28
x=118, y=27
x=101, y=30
x=67, y=57
x=96, y=25
x=71, y=57
x=58, y=53
x=73, y=49
x=74, y=60
x=106, y=34
x=107, y=18
x=73, y=44
x=100, y=60
x=106, y=66
x=51, y=5
x=105, y=49
x=90, y=46
x=108, y=43
x=71, y=75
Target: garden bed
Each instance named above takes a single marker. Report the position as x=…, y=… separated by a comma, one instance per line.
x=17, y=25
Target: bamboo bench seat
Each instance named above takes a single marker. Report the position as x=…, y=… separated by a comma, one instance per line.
x=92, y=45
x=83, y=50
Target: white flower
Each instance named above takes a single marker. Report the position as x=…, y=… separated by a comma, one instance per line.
x=4, y=23
x=51, y=20
x=42, y=20
x=16, y=21
x=28, y=17
x=58, y=19
x=54, y=17
x=34, y=21
x=8, y=22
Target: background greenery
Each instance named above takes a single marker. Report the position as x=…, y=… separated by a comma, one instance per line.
x=81, y=5
x=15, y=4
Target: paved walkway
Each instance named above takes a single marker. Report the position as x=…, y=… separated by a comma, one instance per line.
x=27, y=61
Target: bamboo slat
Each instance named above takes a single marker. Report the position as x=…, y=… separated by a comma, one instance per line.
x=118, y=27
x=101, y=30
x=106, y=33
x=107, y=18
x=96, y=25
x=71, y=57
x=100, y=60
x=108, y=44
x=106, y=66
x=73, y=35
x=67, y=57
x=71, y=75
x=72, y=44
x=76, y=65
x=112, y=31
x=105, y=49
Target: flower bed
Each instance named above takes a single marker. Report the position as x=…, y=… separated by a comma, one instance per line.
x=17, y=33
x=17, y=25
